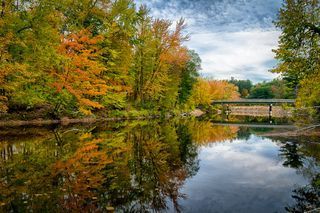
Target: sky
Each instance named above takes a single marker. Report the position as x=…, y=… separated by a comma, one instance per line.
x=234, y=38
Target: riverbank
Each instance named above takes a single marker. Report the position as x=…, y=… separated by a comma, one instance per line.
x=11, y=120
x=67, y=121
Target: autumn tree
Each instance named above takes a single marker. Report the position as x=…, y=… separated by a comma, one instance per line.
x=84, y=55
x=80, y=75
x=206, y=91
x=159, y=59
x=222, y=90
x=29, y=34
x=117, y=53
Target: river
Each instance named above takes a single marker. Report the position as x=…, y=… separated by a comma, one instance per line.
x=177, y=165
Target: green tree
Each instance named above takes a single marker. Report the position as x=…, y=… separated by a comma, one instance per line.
x=189, y=76
x=299, y=48
x=33, y=30
x=273, y=89
x=243, y=85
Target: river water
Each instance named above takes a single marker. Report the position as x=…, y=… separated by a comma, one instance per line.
x=184, y=165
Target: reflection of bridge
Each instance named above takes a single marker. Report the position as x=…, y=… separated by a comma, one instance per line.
x=255, y=101
x=281, y=126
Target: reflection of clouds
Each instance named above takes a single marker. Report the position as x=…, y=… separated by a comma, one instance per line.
x=233, y=37
x=241, y=176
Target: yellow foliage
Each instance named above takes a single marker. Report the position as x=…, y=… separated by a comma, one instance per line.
x=85, y=136
x=205, y=91
x=309, y=91
x=204, y=133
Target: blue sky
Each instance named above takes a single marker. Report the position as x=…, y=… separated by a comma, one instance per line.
x=234, y=38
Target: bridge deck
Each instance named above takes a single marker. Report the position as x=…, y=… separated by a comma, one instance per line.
x=255, y=101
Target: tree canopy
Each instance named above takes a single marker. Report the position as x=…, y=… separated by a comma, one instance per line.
x=299, y=48
x=82, y=56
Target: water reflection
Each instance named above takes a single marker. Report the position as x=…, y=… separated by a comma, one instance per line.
x=135, y=167
x=307, y=197
x=183, y=166
x=290, y=152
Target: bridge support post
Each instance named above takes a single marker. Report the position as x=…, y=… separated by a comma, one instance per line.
x=270, y=110
x=228, y=110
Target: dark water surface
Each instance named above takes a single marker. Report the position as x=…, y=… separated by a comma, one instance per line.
x=152, y=166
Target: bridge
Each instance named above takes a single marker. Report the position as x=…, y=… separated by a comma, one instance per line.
x=255, y=101
x=269, y=102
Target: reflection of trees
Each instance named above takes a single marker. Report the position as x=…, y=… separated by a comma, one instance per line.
x=204, y=132
x=80, y=176
x=248, y=119
x=244, y=133
x=137, y=167
x=22, y=177
x=24, y=172
x=152, y=171
x=290, y=153
x=188, y=151
x=307, y=198
x=303, y=155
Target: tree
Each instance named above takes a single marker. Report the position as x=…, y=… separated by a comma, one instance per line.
x=261, y=91
x=189, y=76
x=243, y=85
x=205, y=91
x=273, y=89
x=299, y=46
x=117, y=53
x=81, y=74
x=86, y=55
x=222, y=90
x=159, y=60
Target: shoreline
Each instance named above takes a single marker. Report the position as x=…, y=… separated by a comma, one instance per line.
x=67, y=121
x=125, y=116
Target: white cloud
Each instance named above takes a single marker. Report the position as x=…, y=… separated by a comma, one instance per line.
x=233, y=37
x=244, y=54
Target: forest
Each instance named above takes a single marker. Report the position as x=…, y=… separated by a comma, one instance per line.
x=81, y=57
x=78, y=57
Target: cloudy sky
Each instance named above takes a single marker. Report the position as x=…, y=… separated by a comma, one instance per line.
x=234, y=38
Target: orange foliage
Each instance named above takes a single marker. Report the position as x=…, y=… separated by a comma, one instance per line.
x=81, y=74
x=82, y=173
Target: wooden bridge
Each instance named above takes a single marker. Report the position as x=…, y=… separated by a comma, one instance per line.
x=255, y=101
